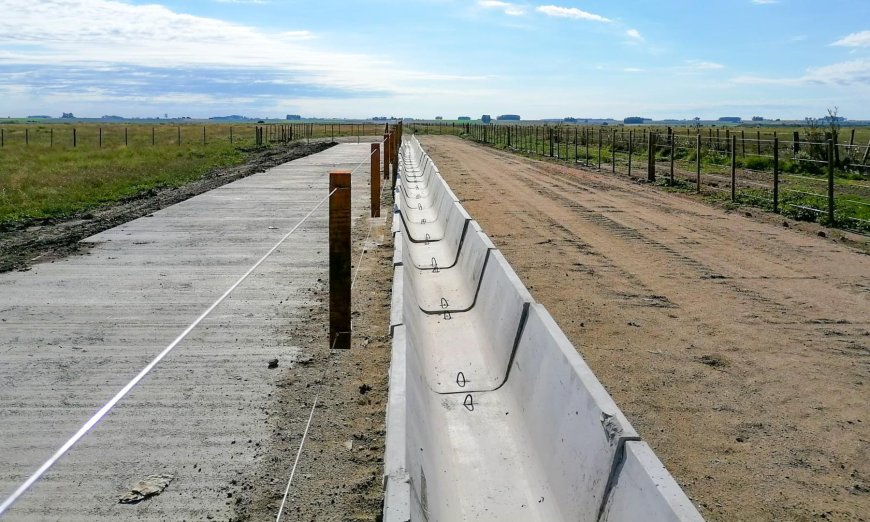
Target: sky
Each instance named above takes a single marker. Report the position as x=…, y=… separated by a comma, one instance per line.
x=425, y=58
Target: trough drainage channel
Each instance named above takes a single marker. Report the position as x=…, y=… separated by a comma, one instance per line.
x=492, y=413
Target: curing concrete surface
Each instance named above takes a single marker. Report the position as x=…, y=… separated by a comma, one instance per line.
x=73, y=332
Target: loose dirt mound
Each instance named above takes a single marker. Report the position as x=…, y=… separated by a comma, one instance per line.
x=737, y=347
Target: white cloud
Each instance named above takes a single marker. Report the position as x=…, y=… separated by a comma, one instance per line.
x=856, y=72
x=634, y=34
x=704, y=65
x=570, y=12
x=505, y=7
x=859, y=39
x=92, y=33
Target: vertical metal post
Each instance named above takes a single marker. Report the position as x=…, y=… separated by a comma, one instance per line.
x=673, y=146
x=152, y=136
x=101, y=137
x=203, y=134
x=126, y=142
x=776, y=175
x=51, y=137
x=179, y=135
x=231, y=134
x=27, y=136
x=734, y=168
x=339, y=260
x=830, y=183
x=630, y=149
x=74, y=137
x=376, y=179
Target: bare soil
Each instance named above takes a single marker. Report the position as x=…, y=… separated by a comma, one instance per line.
x=25, y=243
x=737, y=343
x=338, y=477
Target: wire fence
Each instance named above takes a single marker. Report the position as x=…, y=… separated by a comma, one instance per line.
x=814, y=180
x=113, y=136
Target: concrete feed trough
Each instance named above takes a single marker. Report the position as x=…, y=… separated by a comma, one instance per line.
x=492, y=414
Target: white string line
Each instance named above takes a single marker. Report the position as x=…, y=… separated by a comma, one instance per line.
x=97, y=417
x=317, y=395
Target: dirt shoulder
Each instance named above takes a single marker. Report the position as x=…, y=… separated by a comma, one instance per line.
x=38, y=241
x=736, y=346
x=338, y=476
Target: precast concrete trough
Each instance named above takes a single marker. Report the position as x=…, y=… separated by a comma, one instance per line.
x=492, y=413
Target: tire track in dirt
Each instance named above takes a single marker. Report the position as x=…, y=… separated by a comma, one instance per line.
x=737, y=347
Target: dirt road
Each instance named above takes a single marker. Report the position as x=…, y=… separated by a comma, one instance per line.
x=738, y=348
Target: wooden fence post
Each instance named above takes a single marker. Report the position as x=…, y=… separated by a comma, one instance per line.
x=599, y=148
x=734, y=168
x=830, y=183
x=74, y=137
x=651, y=158
x=339, y=260
x=673, y=146
x=613, y=151
x=376, y=179
x=152, y=136
x=630, y=150
x=776, y=175
x=126, y=142
x=698, y=164
x=101, y=137
x=386, y=156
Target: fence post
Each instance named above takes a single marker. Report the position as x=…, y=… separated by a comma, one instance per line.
x=376, y=179
x=74, y=137
x=51, y=137
x=673, y=144
x=126, y=142
x=386, y=156
x=599, y=148
x=231, y=134
x=203, y=134
x=27, y=136
x=742, y=144
x=776, y=175
x=2, y=137
x=651, y=159
x=698, y=164
x=830, y=183
x=339, y=260
x=630, y=150
x=550, y=135
x=179, y=136
x=152, y=136
x=613, y=151
x=101, y=137
x=734, y=168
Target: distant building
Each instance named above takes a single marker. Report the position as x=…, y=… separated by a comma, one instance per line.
x=438, y=118
x=730, y=119
x=569, y=119
x=486, y=118
x=68, y=115
x=633, y=120
x=294, y=116
x=509, y=117
x=758, y=118
x=464, y=118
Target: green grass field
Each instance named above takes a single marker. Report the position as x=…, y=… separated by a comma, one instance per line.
x=56, y=170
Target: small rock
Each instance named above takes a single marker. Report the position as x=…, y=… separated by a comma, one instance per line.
x=632, y=323
x=785, y=224
x=747, y=214
x=365, y=388
x=273, y=364
x=148, y=487
x=821, y=233
x=740, y=439
x=348, y=444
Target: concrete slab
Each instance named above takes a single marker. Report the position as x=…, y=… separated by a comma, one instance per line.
x=73, y=332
